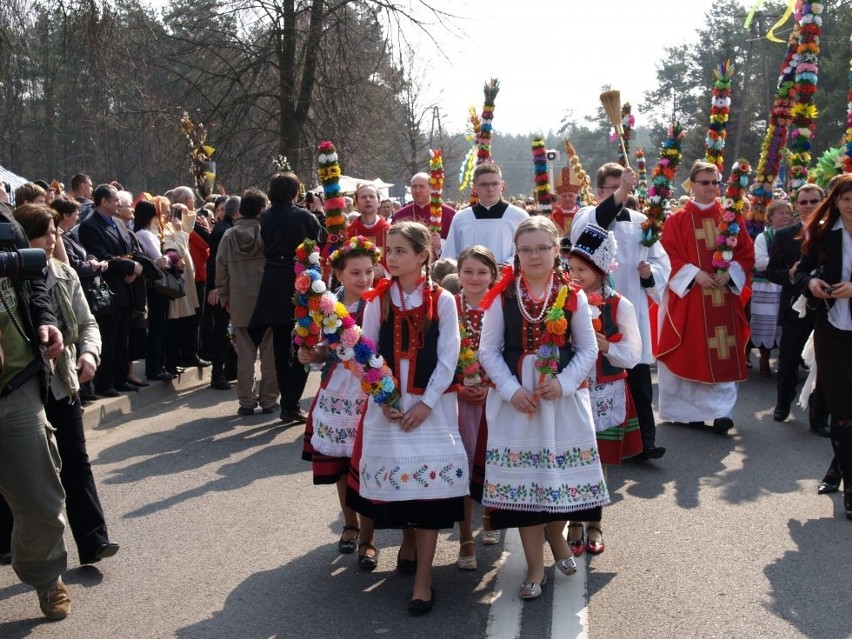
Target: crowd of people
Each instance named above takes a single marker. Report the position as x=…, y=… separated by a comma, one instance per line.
x=521, y=346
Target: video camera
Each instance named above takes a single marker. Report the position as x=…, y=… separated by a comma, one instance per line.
x=27, y=264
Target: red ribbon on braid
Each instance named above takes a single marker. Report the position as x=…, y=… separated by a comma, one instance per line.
x=506, y=277
x=379, y=290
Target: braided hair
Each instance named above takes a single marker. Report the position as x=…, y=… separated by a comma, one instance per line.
x=420, y=240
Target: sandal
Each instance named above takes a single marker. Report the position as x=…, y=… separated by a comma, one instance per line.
x=367, y=562
x=594, y=546
x=489, y=537
x=566, y=566
x=348, y=546
x=578, y=546
x=469, y=562
x=532, y=590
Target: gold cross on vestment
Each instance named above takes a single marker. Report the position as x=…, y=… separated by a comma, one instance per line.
x=717, y=295
x=722, y=343
x=707, y=232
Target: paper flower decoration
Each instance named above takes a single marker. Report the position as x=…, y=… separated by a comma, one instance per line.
x=771, y=152
x=720, y=108
x=469, y=162
x=803, y=114
x=542, y=176
x=200, y=154
x=556, y=326
x=729, y=224
x=627, y=124
x=661, y=184
x=827, y=166
x=586, y=196
x=483, y=141
x=321, y=316
x=436, y=186
x=642, y=173
x=329, y=176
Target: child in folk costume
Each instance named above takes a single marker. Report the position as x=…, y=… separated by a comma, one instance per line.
x=411, y=462
x=477, y=271
x=339, y=407
x=591, y=260
x=541, y=464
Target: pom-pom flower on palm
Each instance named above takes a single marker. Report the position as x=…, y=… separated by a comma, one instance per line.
x=720, y=108
x=732, y=216
x=771, y=152
x=321, y=316
x=847, y=161
x=642, y=174
x=627, y=124
x=662, y=180
x=329, y=176
x=542, y=176
x=804, y=111
x=436, y=186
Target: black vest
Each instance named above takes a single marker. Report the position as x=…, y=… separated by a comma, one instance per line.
x=395, y=332
x=521, y=337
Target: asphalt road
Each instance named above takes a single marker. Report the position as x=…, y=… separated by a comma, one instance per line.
x=224, y=536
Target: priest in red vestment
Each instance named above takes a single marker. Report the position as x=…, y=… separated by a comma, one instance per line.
x=369, y=223
x=567, y=190
x=703, y=326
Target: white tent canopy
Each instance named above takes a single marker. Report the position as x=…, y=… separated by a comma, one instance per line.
x=11, y=178
x=348, y=185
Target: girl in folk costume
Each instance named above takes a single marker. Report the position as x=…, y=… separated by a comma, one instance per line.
x=591, y=260
x=477, y=271
x=766, y=295
x=339, y=407
x=410, y=459
x=541, y=464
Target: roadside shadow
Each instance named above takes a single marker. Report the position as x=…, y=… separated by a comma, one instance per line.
x=285, y=602
x=809, y=586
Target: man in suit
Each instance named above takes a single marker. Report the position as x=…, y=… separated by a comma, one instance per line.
x=108, y=239
x=784, y=255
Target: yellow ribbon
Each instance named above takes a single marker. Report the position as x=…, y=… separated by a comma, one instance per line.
x=770, y=35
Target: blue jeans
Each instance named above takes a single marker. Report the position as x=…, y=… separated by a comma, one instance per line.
x=29, y=481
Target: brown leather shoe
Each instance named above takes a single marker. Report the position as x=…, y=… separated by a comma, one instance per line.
x=55, y=603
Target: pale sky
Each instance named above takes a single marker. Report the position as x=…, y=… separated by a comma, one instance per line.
x=552, y=55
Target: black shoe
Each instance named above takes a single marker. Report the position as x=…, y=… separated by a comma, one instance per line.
x=126, y=388
x=139, y=384
x=847, y=506
x=162, y=376
x=827, y=487
x=822, y=429
x=366, y=562
x=722, y=425
x=244, y=410
x=406, y=566
x=220, y=384
x=418, y=607
x=298, y=416
x=107, y=392
x=653, y=452
x=196, y=362
x=781, y=413
x=103, y=551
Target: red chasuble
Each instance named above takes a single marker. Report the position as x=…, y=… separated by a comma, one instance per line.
x=376, y=233
x=563, y=219
x=704, y=334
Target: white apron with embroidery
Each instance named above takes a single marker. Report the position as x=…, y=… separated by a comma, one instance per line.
x=337, y=413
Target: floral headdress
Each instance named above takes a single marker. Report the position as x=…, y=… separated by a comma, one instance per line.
x=661, y=184
x=358, y=245
x=729, y=227
x=771, y=152
x=319, y=314
x=720, y=107
x=804, y=112
x=542, y=176
x=436, y=185
x=329, y=176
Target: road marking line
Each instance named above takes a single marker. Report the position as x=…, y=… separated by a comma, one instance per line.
x=504, y=615
x=570, y=616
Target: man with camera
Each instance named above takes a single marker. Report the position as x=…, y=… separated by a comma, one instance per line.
x=29, y=460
